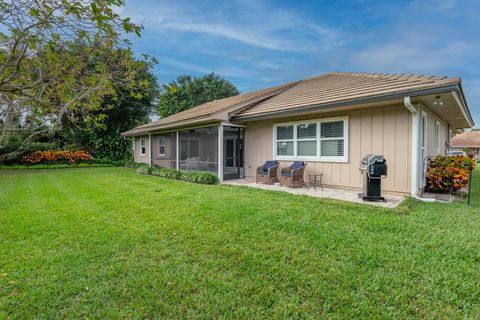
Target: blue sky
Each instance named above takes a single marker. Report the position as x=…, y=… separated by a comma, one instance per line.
x=259, y=43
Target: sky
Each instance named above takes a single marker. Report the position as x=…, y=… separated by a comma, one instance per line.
x=260, y=43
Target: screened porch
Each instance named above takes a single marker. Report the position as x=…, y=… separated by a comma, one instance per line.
x=198, y=149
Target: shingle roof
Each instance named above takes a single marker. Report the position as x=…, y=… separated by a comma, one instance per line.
x=343, y=86
x=321, y=90
x=467, y=139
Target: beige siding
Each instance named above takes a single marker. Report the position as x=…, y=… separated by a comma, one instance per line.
x=431, y=120
x=168, y=160
x=137, y=156
x=385, y=130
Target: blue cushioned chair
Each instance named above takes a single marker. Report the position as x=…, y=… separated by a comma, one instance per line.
x=292, y=176
x=267, y=173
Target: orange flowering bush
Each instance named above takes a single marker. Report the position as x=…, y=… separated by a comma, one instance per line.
x=51, y=156
x=449, y=173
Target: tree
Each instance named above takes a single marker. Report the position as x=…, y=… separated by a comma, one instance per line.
x=187, y=92
x=49, y=65
x=116, y=114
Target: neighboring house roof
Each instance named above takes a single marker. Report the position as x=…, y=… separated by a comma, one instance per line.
x=325, y=90
x=468, y=139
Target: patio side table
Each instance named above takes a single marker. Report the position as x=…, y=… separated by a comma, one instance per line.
x=314, y=180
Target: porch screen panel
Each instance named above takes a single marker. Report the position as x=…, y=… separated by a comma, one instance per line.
x=164, y=150
x=199, y=149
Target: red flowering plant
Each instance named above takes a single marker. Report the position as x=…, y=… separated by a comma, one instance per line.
x=448, y=174
x=57, y=156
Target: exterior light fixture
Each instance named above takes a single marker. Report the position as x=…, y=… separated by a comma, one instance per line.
x=438, y=102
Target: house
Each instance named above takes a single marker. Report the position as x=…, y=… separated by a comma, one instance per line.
x=469, y=141
x=330, y=121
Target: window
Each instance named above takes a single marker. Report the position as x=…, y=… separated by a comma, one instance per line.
x=323, y=140
x=437, y=137
x=143, y=147
x=161, y=146
x=285, y=140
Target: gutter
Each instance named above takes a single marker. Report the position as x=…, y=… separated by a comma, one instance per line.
x=459, y=96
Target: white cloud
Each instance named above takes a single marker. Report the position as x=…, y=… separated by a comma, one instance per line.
x=253, y=24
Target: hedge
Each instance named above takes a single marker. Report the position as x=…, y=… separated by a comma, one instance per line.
x=194, y=176
x=53, y=166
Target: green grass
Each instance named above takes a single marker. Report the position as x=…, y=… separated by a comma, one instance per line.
x=53, y=166
x=107, y=243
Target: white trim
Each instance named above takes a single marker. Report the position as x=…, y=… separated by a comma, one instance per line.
x=178, y=152
x=150, y=149
x=462, y=108
x=229, y=124
x=220, y=152
x=143, y=154
x=164, y=145
x=318, y=139
x=415, y=145
x=437, y=137
x=423, y=144
x=160, y=131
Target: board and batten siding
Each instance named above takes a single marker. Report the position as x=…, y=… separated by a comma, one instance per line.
x=382, y=130
x=138, y=157
x=432, y=118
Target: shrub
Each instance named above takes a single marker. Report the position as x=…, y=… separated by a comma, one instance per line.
x=196, y=177
x=167, y=173
x=58, y=156
x=144, y=169
x=448, y=174
x=199, y=177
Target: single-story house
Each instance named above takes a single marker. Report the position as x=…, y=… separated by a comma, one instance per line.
x=330, y=121
x=468, y=140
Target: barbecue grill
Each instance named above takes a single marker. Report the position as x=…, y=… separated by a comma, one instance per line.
x=374, y=168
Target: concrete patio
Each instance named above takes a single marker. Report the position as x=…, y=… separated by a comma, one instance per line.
x=331, y=193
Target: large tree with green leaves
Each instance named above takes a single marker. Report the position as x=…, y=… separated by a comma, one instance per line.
x=187, y=92
x=116, y=114
x=49, y=66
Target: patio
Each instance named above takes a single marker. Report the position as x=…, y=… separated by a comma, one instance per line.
x=331, y=193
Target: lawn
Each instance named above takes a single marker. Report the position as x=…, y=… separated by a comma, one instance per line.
x=107, y=243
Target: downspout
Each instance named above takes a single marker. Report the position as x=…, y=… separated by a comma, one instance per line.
x=415, y=136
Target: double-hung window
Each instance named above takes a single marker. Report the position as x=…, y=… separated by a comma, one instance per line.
x=161, y=146
x=316, y=140
x=143, y=147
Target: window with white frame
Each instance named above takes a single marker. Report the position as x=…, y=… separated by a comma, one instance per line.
x=143, y=147
x=437, y=137
x=322, y=140
x=161, y=146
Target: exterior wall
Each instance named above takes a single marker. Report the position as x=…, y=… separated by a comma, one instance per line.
x=137, y=156
x=431, y=120
x=169, y=160
x=383, y=130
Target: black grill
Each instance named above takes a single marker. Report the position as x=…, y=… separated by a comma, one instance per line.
x=373, y=168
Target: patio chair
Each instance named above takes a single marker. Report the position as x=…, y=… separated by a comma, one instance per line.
x=267, y=173
x=292, y=176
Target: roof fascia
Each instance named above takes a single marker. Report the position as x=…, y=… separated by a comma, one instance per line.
x=392, y=96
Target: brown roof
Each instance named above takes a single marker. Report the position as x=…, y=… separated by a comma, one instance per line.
x=343, y=86
x=207, y=111
x=336, y=87
x=467, y=139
